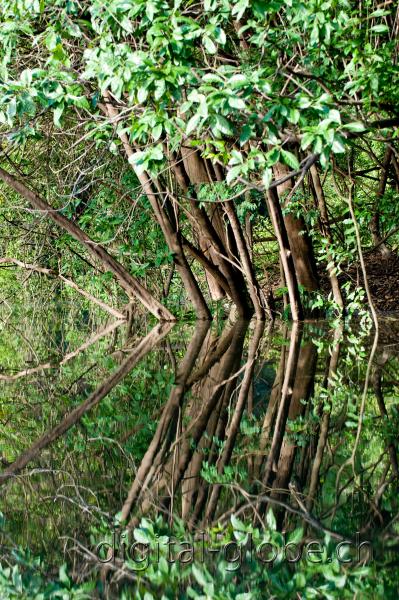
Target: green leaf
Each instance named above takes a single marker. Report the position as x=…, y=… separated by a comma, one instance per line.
x=63, y=577
x=212, y=78
x=156, y=152
x=157, y=132
x=239, y=8
x=220, y=35
x=81, y=102
x=334, y=115
x=273, y=156
x=294, y=115
x=185, y=107
x=139, y=161
x=380, y=12
x=380, y=28
x=150, y=10
x=237, y=524
x=142, y=95
x=193, y=123
x=159, y=89
x=356, y=127
x=235, y=102
x=199, y=576
x=12, y=108
x=271, y=520
x=57, y=114
x=141, y=536
x=245, y=135
x=296, y=536
x=307, y=140
x=267, y=178
x=223, y=125
x=209, y=45
x=26, y=77
x=203, y=108
x=290, y=159
x=233, y=173
x=238, y=80
x=300, y=580
x=338, y=145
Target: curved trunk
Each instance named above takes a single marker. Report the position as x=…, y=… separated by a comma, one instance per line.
x=210, y=228
x=152, y=188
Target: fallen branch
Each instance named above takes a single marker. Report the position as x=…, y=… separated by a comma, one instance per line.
x=112, y=311
x=127, y=281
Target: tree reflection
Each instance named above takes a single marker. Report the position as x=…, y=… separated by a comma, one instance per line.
x=255, y=419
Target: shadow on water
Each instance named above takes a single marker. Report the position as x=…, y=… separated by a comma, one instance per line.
x=256, y=416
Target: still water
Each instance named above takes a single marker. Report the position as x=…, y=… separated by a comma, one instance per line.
x=104, y=422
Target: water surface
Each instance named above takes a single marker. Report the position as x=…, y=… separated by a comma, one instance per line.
x=103, y=420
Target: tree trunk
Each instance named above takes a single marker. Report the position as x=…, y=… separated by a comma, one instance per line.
x=210, y=228
x=299, y=241
x=151, y=188
x=285, y=401
x=157, y=447
x=325, y=422
x=303, y=387
x=276, y=217
x=246, y=263
x=236, y=416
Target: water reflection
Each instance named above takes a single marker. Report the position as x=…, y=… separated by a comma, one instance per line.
x=255, y=416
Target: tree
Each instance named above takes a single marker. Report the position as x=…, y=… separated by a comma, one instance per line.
x=208, y=102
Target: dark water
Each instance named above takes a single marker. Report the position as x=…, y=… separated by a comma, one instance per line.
x=100, y=420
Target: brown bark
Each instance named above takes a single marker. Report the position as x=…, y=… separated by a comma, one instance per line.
x=210, y=229
x=299, y=241
x=220, y=253
x=157, y=447
x=303, y=387
x=195, y=166
x=211, y=271
x=236, y=416
x=177, y=458
x=216, y=291
x=246, y=262
x=272, y=405
x=193, y=486
x=325, y=422
x=213, y=356
x=152, y=188
x=129, y=283
x=285, y=401
x=197, y=427
x=276, y=217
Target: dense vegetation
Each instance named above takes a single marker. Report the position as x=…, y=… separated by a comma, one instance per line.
x=258, y=134
x=212, y=160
